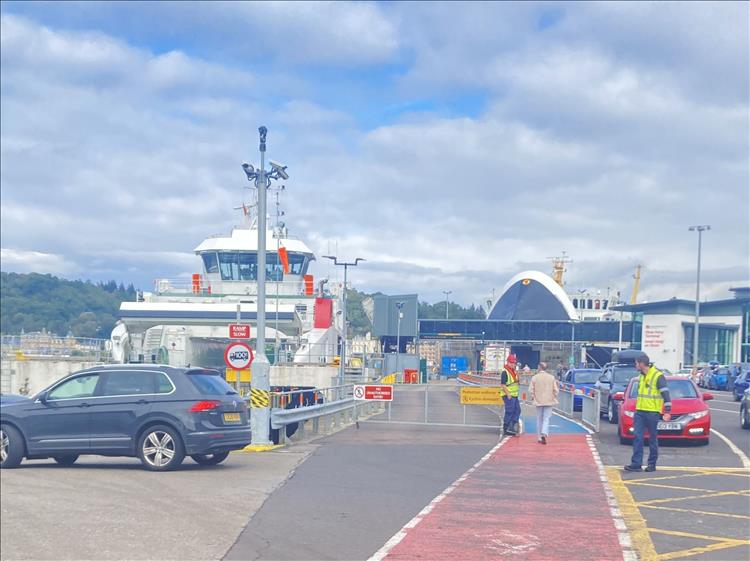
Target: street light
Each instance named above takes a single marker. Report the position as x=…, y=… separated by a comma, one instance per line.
x=700, y=229
x=447, y=292
x=346, y=266
x=399, y=306
x=261, y=418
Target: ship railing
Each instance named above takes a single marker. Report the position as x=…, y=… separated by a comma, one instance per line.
x=201, y=287
x=30, y=345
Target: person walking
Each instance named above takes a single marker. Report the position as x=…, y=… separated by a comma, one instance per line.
x=509, y=392
x=543, y=390
x=653, y=398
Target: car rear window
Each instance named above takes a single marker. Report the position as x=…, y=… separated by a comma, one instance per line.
x=586, y=376
x=210, y=382
x=623, y=374
x=678, y=389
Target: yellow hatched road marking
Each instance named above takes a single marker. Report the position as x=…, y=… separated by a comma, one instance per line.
x=649, y=484
x=697, y=536
x=704, y=496
x=675, y=509
x=702, y=549
x=633, y=519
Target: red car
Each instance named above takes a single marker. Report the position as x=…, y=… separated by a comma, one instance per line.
x=691, y=417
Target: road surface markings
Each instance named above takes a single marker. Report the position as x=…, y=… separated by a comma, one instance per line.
x=401, y=534
x=638, y=526
x=691, y=497
x=639, y=535
x=721, y=543
x=743, y=458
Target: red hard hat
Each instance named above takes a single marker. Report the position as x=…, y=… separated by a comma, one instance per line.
x=512, y=359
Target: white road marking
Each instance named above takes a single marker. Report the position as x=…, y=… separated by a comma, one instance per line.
x=401, y=534
x=743, y=458
x=737, y=412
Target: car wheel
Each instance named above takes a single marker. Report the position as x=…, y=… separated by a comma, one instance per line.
x=66, y=459
x=11, y=447
x=160, y=448
x=745, y=418
x=210, y=459
x=611, y=412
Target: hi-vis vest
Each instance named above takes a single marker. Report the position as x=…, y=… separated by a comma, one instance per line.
x=512, y=383
x=649, y=397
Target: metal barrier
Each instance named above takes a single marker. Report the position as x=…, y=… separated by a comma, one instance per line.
x=565, y=398
x=590, y=413
x=335, y=406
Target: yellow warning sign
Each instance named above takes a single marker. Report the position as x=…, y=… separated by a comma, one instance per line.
x=480, y=396
x=245, y=375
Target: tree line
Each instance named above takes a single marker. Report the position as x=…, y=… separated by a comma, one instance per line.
x=33, y=302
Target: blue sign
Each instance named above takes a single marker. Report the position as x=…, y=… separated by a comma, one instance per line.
x=454, y=365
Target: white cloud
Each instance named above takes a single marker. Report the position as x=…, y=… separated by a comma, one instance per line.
x=35, y=261
x=122, y=158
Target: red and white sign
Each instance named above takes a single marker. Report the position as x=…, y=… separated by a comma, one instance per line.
x=238, y=356
x=237, y=331
x=373, y=393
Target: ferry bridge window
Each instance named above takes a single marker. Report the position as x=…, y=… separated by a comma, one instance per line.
x=248, y=267
x=296, y=263
x=274, y=269
x=210, y=262
x=589, y=304
x=575, y=302
x=604, y=304
x=229, y=266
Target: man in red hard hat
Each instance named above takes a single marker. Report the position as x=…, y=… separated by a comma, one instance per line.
x=509, y=392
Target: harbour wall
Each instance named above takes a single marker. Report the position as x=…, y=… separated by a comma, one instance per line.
x=29, y=375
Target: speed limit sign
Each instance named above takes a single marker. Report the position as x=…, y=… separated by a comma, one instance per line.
x=238, y=356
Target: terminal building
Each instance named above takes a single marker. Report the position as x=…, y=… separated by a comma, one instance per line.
x=534, y=318
x=665, y=330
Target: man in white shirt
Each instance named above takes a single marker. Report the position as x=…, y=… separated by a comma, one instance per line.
x=543, y=390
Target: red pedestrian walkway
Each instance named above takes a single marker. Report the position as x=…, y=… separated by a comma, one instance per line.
x=524, y=501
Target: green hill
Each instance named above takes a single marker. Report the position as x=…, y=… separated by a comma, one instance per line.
x=32, y=302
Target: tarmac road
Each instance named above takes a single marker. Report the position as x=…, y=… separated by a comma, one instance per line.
x=697, y=505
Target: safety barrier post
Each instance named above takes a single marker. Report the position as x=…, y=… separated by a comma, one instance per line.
x=565, y=398
x=590, y=415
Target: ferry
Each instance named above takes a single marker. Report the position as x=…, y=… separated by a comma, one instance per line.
x=185, y=321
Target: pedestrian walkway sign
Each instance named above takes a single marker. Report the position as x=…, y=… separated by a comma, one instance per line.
x=480, y=396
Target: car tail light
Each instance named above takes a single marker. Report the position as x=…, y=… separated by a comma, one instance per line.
x=207, y=405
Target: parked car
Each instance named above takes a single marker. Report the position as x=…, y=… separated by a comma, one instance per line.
x=157, y=413
x=691, y=417
x=741, y=384
x=614, y=378
x=745, y=410
x=718, y=378
x=581, y=378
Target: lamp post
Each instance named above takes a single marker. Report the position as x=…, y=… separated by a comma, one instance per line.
x=447, y=293
x=342, y=362
x=700, y=229
x=399, y=306
x=260, y=420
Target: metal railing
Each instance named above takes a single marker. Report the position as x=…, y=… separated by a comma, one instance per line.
x=590, y=412
x=48, y=345
x=333, y=407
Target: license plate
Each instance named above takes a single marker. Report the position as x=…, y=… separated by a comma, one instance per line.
x=232, y=418
x=668, y=426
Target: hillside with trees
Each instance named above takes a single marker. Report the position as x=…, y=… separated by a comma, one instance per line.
x=32, y=302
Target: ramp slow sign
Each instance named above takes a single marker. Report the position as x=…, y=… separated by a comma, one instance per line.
x=238, y=356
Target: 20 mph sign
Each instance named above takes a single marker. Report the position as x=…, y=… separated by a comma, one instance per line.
x=373, y=393
x=238, y=356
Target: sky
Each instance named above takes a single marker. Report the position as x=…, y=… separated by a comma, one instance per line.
x=451, y=145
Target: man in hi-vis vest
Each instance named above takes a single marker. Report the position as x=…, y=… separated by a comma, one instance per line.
x=509, y=393
x=653, y=398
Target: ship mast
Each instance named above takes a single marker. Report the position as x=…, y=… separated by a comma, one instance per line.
x=558, y=267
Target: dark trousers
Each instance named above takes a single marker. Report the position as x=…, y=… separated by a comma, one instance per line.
x=512, y=413
x=645, y=420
